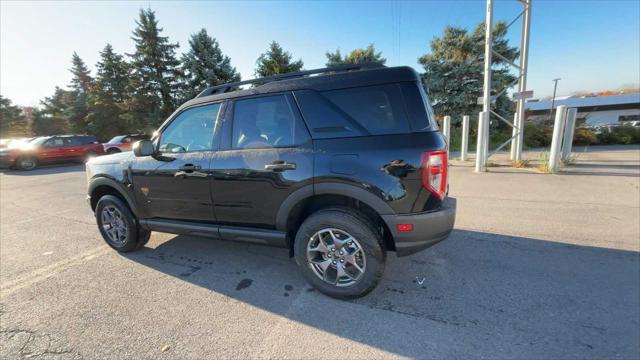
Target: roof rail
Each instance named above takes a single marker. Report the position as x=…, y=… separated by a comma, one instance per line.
x=220, y=89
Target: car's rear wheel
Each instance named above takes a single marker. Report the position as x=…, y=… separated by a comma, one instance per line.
x=340, y=252
x=118, y=226
x=26, y=163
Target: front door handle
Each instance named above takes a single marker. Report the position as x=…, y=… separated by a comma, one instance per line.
x=280, y=166
x=190, y=170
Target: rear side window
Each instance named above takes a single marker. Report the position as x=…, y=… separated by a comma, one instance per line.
x=379, y=109
x=361, y=111
x=264, y=122
x=74, y=141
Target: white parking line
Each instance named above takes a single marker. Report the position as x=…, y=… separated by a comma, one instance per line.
x=9, y=287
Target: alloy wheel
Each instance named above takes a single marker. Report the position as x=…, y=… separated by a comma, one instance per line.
x=114, y=225
x=336, y=257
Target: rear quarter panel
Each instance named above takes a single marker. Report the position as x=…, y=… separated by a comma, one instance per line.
x=388, y=166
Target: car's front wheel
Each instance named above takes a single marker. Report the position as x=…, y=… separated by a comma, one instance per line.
x=26, y=163
x=118, y=226
x=340, y=252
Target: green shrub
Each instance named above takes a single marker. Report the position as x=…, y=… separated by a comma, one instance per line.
x=536, y=135
x=624, y=134
x=584, y=136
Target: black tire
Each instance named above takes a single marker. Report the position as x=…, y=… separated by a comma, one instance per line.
x=26, y=163
x=113, y=151
x=136, y=236
x=359, y=227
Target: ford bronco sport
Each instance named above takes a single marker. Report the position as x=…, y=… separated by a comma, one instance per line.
x=340, y=168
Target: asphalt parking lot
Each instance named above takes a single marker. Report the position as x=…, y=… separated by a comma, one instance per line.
x=539, y=266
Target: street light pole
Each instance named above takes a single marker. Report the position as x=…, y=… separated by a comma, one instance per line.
x=553, y=100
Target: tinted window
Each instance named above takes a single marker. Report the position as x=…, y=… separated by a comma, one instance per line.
x=116, y=139
x=89, y=139
x=266, y=122
x=418, y=109
x=55, y=142
x=369, y=110
x=191, y=130
x=75, y=141
x=379, y=109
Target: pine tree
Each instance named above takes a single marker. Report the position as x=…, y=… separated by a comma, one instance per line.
x=205, y=65
x=356, y=56
x=276, y=61
x=107, y=101
x=12, y=120
x=81, y=81
x=454, y=70
x=155, y=72
x=53, y=117
x=81, y=85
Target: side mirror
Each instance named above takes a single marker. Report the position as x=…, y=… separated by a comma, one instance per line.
x=143, y=148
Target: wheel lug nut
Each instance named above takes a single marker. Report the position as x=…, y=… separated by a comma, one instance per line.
x=333, y=249
x=341, y=252
x=341, y=260
x=334, y=262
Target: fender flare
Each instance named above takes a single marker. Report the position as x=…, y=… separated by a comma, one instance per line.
x=117, y=186
x=360, y=194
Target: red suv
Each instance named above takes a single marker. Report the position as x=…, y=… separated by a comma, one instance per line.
x=122, y=143
x=51, y=149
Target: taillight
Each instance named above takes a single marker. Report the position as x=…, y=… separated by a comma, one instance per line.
x=434, y=172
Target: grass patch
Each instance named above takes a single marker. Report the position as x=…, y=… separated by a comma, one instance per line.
x=571, y=160
x=544, y=165
x=520, y=164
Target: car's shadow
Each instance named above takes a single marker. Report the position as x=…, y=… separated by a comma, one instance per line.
x=45, y=170
x=476, y=293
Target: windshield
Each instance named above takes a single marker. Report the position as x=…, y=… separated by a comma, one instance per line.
x=39, y=140
x=116, y=139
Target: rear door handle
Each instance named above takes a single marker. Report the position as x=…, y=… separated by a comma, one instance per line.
x=184, y=174
x=280, y=166
x=189, y=167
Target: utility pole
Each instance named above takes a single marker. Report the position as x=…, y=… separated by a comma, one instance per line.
x=553, y=100
x=518, y=129
x=486, y=91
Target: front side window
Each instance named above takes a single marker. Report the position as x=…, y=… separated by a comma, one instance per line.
x=266, y=122
x=191, y=130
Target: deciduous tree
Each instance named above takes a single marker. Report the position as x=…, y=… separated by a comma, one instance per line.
x=12, y=120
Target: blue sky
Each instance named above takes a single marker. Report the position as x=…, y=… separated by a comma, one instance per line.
x=591, y=45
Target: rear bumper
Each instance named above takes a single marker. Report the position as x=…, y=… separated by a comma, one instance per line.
x=428, y=228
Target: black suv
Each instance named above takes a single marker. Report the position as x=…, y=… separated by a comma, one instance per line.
x=340, y=168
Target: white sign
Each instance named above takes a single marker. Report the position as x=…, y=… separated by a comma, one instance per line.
x=527, y=94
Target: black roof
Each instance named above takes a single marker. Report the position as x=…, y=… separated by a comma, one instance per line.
x=327, y=79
